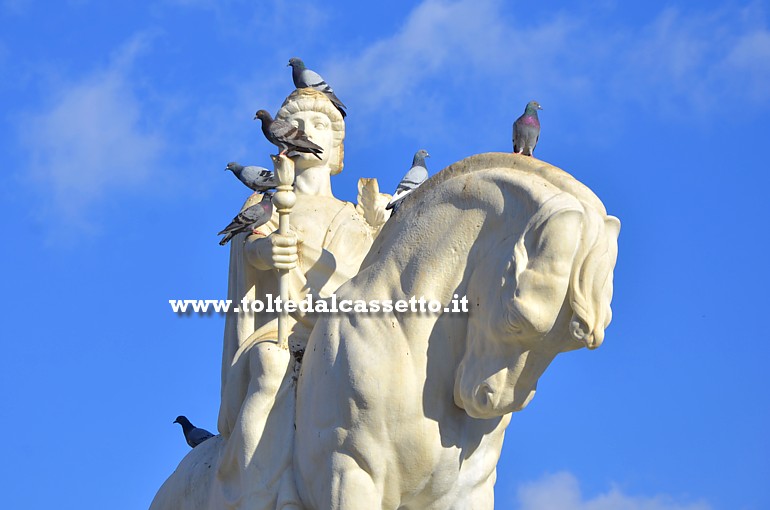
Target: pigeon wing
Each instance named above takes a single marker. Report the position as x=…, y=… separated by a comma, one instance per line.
x=197, y=435
x=258, y=178
x=244, y=221
x=312, y=79
x=411, y=181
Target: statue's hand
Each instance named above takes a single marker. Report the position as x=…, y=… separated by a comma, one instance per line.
x=371, y=203
x=275, y=251
x=284, y=250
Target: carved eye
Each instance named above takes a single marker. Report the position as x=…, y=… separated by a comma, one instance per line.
x=320, y=122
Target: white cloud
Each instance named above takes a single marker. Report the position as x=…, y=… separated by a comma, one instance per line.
x=749, y=61
x=696, y=62
x=435, y=32
x=562, y=491
x=691, y=62
x=93, y=140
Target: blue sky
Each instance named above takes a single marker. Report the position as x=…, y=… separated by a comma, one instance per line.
x=117, y=121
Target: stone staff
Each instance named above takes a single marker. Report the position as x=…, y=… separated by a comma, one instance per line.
x=284, y=200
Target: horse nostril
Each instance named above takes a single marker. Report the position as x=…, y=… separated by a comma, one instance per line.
x=485, y=395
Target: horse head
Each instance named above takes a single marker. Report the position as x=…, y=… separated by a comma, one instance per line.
x=544, y=289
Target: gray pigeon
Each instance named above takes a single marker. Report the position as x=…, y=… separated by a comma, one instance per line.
x=526, y=130
x=192, y=434
x=255, y=177
x=285, y=136
x=249, y=219
x=411, y=181
x=304, y=78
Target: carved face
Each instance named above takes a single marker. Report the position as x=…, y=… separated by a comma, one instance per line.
x=519, y=323
x=312, y=112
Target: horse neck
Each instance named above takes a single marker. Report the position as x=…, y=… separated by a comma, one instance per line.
x=439, y=267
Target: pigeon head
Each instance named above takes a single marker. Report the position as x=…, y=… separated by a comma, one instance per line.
x=182, y=420
x=419, y=157
x=533, y=107
x=296, y=63
x=263, y=115
x=233, y=167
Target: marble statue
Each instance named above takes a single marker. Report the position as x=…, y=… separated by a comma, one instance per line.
x=398, y=410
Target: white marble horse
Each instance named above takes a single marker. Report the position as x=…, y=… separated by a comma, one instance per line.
x=408, y=410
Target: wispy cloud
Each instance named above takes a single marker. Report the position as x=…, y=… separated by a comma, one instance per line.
x=562, y=491
x=696, y=62
x=93, y=140
x=693, y=61
x=435, y=32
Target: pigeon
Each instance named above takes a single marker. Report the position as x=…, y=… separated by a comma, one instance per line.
x=192, y=434
x=526, y=130
x=254, y=177
x=304, y=78
x=285, y=136
x=411, y=181
x=250, y=218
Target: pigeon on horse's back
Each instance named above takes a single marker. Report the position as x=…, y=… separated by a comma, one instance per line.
x=192, y=434
x=526, y=130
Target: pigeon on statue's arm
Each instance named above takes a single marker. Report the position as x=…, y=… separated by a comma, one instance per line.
x=192, y=434
x=249, y=219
